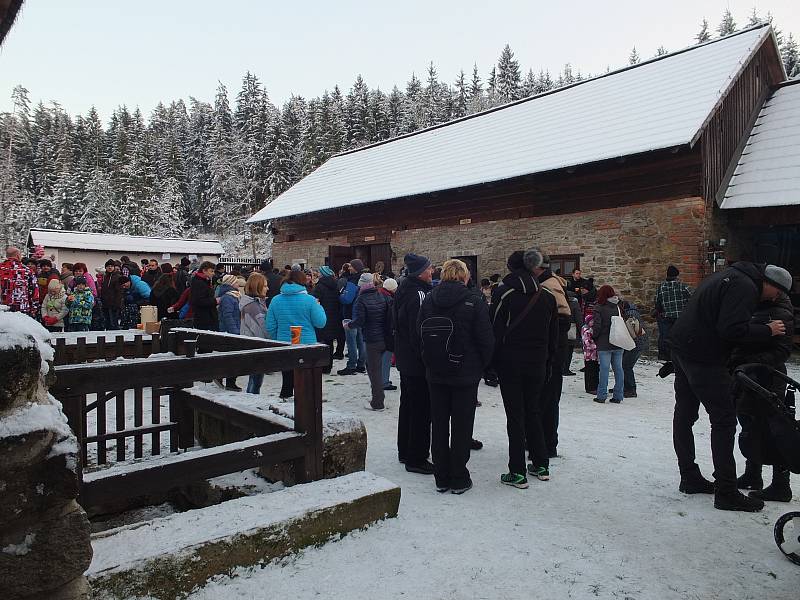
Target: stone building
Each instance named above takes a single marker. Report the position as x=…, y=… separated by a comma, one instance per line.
x=619, y=174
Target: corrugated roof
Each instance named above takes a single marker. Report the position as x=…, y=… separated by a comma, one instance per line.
x=658, y=104
x=51, y=238
x=768, y=171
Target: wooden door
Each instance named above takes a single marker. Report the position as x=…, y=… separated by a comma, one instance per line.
x=337, y=256
x=380, y=253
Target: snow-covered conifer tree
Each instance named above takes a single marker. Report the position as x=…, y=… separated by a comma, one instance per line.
x=727, y=26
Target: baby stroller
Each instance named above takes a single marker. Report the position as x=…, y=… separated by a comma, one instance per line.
x=773, y=438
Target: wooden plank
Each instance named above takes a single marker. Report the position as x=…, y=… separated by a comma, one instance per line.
x=61, y=351
x=138, y=346
x=120, y=423
x=174, y=416
x=101, y=429
x=308, y=419
x=134, y=431
x=100, y=348
x=170, y=472
x=185, y=418
x=165, y=371
x=238, y=418
x=155, y=418
x=119, y=346
x=80, y=350
x=138, y=419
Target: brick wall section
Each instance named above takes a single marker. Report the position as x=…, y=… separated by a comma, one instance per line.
x=628, y=247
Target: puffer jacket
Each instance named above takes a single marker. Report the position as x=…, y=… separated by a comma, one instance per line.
x=601, y=328
x=253, y=311
x=80, y=308
x=775, y=350
x=472, y=324
x=719, y=315
x=327, y=292
x=56, y=308
x=230, y=316
x=294, y=306
x=370, y=314
x=139, y=290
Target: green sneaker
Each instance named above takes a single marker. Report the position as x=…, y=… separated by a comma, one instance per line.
x=515, y=480
x=541, y=473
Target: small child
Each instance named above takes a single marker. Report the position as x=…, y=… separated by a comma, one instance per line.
x=80, y=303
x=591, y=368
x=54, y=306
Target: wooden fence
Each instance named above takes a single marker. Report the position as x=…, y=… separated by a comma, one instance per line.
x=187, y=356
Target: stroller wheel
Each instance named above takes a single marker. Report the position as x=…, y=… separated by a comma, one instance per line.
x=787, y=536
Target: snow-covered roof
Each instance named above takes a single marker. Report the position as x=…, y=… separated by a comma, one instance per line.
x=51, y=238
x=768, y=171
x=661, y=103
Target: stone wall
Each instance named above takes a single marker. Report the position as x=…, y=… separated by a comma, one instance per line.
x=628, y=247
x=44, y=534
x=312, y=252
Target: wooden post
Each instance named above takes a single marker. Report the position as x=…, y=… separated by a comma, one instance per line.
x=172, y=342
x=174, y=416
x=155, y=418
x=185, y=418
x=120, y=423
x=138, y=346
x=74, y=411
x=80, y=350
x=101, y=427
x=191, y=348
x=156, y=343
x=101, y=348
x=138, y=410
x=308, y=420
x=61, y=351
x=119, y=346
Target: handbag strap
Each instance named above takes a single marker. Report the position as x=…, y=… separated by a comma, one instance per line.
x=521, y=316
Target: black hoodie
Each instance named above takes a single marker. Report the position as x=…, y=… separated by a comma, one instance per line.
x=327, y=292
x=535, y=339
x=718, y=315
x=470, y=316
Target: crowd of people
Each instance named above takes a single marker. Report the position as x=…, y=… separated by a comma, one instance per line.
x=444, y=333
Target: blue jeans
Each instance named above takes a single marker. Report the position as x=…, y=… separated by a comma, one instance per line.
x=612, y=358
x=628, y=362
x=386, y=368
x=356, y=349
x=254, y=383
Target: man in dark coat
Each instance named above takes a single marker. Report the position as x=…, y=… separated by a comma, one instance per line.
x=752, y=412
x=583, y=288
x=356, y=347
x=153, y=272
x=718, y=316
x=414, y=419
x=182, y=275
x=274, y=281
x=327, y=292
x=111, y=296
x=525, y=318
x=454, y=394
x=202, y=300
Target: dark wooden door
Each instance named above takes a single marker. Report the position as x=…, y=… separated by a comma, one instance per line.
x=337, y=256
x=380, y=253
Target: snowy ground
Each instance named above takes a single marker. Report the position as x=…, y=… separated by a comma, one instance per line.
x=610, y=524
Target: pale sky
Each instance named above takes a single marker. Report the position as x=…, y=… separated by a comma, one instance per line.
x=109, y=52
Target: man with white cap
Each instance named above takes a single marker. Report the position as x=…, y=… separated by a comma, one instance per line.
x=717, y=317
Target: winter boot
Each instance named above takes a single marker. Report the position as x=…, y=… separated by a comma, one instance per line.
x=695, y=483
x=751, y=479
x=731, y=499
x=778, y=490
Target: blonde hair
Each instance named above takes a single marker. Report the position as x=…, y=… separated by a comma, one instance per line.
x=377, y=280
x=455, y=270
x=256, y=286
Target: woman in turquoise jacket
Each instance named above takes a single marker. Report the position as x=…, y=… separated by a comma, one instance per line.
x=294, y=307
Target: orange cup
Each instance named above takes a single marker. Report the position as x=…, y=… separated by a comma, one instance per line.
x=297, y=331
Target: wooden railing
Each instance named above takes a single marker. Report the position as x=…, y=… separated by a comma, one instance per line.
x=188, y=356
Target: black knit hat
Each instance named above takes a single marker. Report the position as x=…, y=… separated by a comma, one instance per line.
x=515, y=261
x=415, y=263
x=672, y=272
x=80, y=281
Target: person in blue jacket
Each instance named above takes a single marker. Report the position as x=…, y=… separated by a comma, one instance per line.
x=230, y=318
x=294, y=307
x=135, y=293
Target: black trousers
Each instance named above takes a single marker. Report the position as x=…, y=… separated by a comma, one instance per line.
x=452, y=419
x=709, y=385
x=327, y=369
x=552, y=392
x=414, y=420
x=287, y=384
x=521, y=386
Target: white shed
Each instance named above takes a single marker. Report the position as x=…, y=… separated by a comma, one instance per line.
x=95, y=249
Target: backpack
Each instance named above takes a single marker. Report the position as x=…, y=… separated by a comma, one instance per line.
x=442, y=347
x=349, y=293
x=634, y=327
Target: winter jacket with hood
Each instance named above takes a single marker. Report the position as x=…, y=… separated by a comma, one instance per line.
x=162, y=297
x=557, y=286
x=327, y=292
x=54, y=305
x=601, y=328
x=775, y=350
x=347, y=309
x=294, y=306
x=203, y=303
x=139, y=292
x=472, y=325
x=254, y=312
x=535, y=339
x=407, y=301
x=371, y=314
x=111, y=291
x=229, y=315
x=18, y=287
x=80, y=308
x=719, y=315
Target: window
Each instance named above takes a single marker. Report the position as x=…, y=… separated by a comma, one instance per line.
x=564, y=264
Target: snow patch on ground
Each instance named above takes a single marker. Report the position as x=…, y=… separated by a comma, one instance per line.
x=610, y=524
x=248, y=482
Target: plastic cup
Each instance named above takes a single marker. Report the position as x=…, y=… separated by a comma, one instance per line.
x=297, y=331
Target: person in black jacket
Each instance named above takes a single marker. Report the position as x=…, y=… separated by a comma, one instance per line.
x=717, y=317
x=202, y=300
x=773, y=352
x=414, y=419
x=370, y=314
x=356, y=348
x=525, y=318
x=327, y=292
x=454, y=395
x=164, y=294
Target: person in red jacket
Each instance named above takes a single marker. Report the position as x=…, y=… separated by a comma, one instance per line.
x=19, y=289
